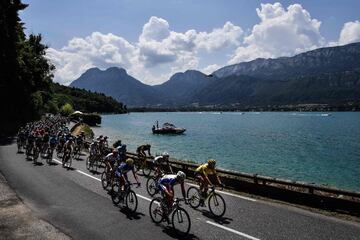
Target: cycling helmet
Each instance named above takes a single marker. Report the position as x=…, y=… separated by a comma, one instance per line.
x=212, y=162
x=165, y=154
x=181, y=175
x=115, y=152
x=129, y=161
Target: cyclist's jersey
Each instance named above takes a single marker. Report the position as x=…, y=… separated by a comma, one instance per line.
x=46, y=138
x=123, y=169
x=31, y=139
x=143, y=148
x=38, y=140
x=111, y=158
x=168, y=180
x=205, y=170
x=53, y=141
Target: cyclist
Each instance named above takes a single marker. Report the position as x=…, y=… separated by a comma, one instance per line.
x=166, y=186
x=68, y=148
x=141, y=150
x=202, y=172
x=94, y=148
x=122, y=152
x=110, y=161
x=123, y=169
x=162, y=160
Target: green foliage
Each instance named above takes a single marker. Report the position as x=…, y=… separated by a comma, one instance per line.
x=26, y=88
x=66, y=109
x=86, y=101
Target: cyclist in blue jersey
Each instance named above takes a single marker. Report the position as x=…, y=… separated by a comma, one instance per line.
x=123, y=169
x=166, y=186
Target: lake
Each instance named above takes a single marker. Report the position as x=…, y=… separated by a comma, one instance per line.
x=313, y=147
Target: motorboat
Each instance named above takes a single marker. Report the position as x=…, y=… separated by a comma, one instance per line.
x=167, y=128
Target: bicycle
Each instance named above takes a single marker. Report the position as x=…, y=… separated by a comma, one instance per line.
x=142, y=164
x=105, y=179
x=66, y=159
x=180, y=219
x=216, y=202
x=127, y=195
x=92, y=163
x=49, y=154
x=76, y=152
x=36, y=153
x=152, y=183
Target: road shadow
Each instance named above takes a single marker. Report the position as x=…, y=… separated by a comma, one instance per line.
x=4, y=141
x=131, y=215
x=169, y=230
x=52, y=163
x=220, y=220
x=95, y=172
x=38, y=164
x=70, y=168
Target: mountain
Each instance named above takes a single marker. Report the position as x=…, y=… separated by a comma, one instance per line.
x=117, y=83
x=324, y=76
x=182, y=88
x=322, y=60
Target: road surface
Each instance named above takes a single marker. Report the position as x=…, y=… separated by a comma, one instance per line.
x=75, y=202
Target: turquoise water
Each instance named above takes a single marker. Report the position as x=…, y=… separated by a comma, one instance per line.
x=312, y=147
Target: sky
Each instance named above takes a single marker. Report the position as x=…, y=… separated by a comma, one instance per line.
x=154, y=39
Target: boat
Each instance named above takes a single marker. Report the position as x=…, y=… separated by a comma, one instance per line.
x=167, y=128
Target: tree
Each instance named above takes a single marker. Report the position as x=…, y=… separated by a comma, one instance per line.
x=66, y=109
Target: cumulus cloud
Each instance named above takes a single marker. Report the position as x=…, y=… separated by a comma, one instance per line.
x=157, y=47
x=281, y=32
x=350, y=33
x=160, y=52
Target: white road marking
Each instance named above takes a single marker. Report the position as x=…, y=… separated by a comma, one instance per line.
x=209, y=222
x=232, y=230
x=230, y=194
x=88, y=175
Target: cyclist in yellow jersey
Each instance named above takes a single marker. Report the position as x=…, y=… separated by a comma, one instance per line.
x=202, y=173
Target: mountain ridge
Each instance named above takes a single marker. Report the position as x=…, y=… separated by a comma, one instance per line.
x=322, y=75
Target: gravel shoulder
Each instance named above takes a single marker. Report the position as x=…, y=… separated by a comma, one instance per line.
x=18, y=222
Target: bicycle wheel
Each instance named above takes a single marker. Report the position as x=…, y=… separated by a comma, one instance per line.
x=146, y=170
x=217, y=205
x=115, y=195
x=181, y=221
x=69, y=162
x=104, y=180
x=151, y=186
x=36, y=155
x=88, y=164
x=155, y=210
x=131, y=201
x=194, y=196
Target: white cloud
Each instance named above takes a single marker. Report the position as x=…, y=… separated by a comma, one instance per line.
x=160, y=52
x=350, y=33
x=158, y=48
x=281, y=32
x=210, y=69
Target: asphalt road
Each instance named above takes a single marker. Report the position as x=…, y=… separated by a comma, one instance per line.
x=74, y=202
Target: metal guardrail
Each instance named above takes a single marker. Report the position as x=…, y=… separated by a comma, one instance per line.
x=312, y=195
x=264, y=180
